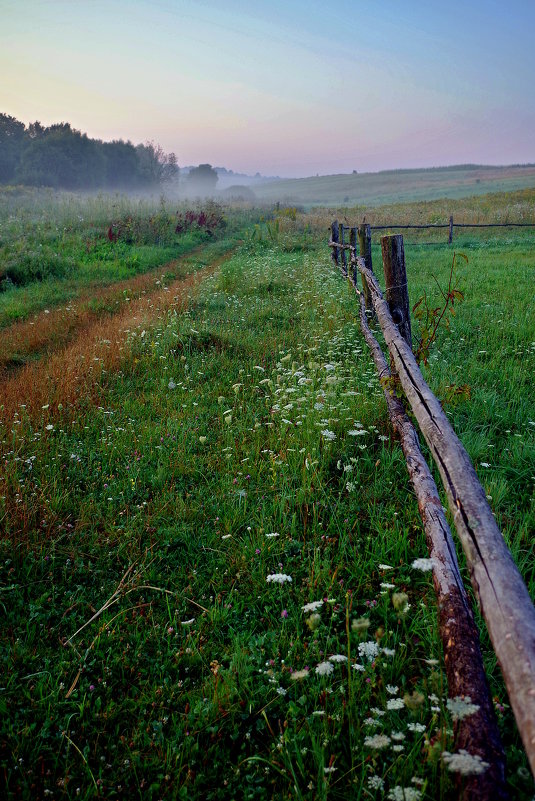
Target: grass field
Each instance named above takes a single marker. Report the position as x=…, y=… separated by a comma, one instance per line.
x=394, y=186
x=207, y=574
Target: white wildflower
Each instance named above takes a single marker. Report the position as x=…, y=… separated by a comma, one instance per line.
x=171, y=384
x=395, y=703
x=329, y=435
x=377, y=741
x=391, y=689
x=187, y=622
x=385, y=567
x=273, y=534
x=461, y=707
x=372, y=722
x=324, y=669
x=464, y=763
x=376, y=783
x=297, y=675
x=368, y=650
x=416, y=727
x=338, y=658
x=423, y=564
x=399, y=793
x=278, y=578
x=312, y=606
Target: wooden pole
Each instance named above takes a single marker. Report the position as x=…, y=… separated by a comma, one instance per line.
x=353, y=243
x=365, y=247
x=335, y=239
x=496, y=580
x=342, y=242
x=477, y=733
x=397, y=293
x=450, y=238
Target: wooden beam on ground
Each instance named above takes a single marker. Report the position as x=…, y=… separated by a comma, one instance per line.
x=496, y=580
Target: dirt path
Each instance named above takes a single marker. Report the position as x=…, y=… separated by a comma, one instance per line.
x=28, y=340
x=96, y=345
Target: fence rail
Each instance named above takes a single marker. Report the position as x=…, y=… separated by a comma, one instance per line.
x=451, y=225
x=497, y=583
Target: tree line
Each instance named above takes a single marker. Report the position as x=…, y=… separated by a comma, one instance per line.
x=61, y=157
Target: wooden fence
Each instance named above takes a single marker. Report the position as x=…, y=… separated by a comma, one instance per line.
x=498, y=586
x=449, y=225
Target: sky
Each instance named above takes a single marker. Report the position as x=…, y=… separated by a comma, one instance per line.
x=283, y=87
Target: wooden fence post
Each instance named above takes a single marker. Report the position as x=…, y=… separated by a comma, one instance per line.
x=353, y=244
x=342, y=242
x=450, y=238
x=335, y=238
x=365, y=247
x=397, y=293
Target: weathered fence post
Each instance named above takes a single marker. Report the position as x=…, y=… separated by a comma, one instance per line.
x=450, y=238
x=342, y=243
x=335, y=239
x=397, y=293
x=365, y=246
x=353, y=245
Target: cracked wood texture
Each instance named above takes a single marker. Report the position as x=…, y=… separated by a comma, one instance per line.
x=477, y=733
x=498, y=585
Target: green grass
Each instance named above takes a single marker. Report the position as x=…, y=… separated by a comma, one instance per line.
x=144, y=652
x=54, y=246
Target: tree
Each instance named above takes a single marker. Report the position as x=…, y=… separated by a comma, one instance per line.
x=202, y=180
x=63, y=158
x=11, y=142
x=156, y=167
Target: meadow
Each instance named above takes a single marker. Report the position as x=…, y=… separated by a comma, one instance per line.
x=394, y=186
x=211, y=575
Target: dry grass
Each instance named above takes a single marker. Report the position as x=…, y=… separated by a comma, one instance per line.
x=98, y=345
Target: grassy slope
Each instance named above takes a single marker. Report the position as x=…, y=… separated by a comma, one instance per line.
x=374, y=189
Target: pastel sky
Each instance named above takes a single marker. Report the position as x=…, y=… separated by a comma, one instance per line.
x=284, y=87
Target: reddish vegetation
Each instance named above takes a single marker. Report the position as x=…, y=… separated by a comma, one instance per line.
x=208, y=220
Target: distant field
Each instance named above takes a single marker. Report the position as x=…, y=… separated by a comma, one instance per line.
x=399, y=185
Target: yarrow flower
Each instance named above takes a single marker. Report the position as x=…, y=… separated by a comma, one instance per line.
x=377, y=741
x=395, y=703
x=461, y=707
x=464, y=763
x=423, y=564
x=369, y=650
x=297, y=675
x=278, y=578
x=399, y=793
x=416, y=727
x=330, y=435
x=312, y=606
x=338, y=658
x=376, y=783
x=324, y=669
